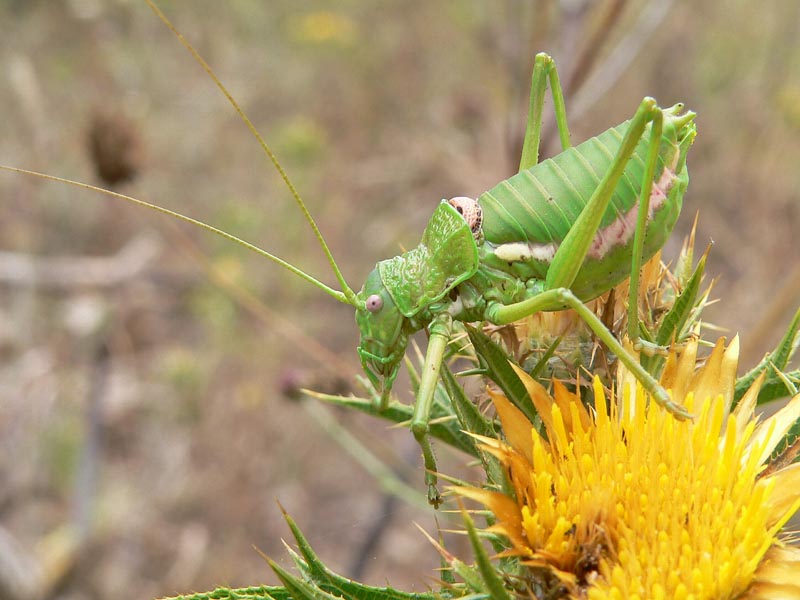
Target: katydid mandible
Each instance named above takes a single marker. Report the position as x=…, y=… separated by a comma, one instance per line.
x=555, y=235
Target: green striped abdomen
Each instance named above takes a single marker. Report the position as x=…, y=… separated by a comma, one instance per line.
x=535, y=209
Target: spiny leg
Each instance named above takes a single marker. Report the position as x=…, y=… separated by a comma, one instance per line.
x=439, y=336
x=544, y=68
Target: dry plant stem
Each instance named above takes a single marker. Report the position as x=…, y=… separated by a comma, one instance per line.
x=67, y=272
x=91, y=453
x=783, y=302
x=21, y=573
x=620, y=58
x=591, y=50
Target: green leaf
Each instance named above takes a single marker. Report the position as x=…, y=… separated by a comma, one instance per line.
x=537, y=371
x=316, y=570
x=442, y=428
x=327, y=584
x=499, y=370
x=786, y=453
x=469, y=417
x=674, y=321
x=493, y=581
x=774, y=387
x=299, y=589
x=473, y=421
x=248, y=593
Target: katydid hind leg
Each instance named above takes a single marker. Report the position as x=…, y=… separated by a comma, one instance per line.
x=563, y=297
x=544, y=70
x=572, y=252
x=575, y=247
x=641, y=226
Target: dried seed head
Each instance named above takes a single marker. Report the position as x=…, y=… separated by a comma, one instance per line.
x=115, y=147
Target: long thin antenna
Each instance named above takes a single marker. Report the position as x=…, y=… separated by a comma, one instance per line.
x=340, y=296
x=348, y=293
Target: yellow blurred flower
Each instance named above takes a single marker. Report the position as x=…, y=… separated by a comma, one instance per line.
x=627, y=502
x=322, y=27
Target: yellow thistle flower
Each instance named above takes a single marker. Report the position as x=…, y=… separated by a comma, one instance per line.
x=628, y=502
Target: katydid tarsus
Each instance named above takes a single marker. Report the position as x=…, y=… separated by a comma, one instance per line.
x=555, y=235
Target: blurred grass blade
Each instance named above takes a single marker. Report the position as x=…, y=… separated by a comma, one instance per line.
x=389, y=481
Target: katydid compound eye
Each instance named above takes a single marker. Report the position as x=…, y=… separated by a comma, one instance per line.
x=374, y=303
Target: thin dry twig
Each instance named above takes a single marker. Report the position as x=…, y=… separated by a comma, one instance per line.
x=79, y=271
x=620, y=58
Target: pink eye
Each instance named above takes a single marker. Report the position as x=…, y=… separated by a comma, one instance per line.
x=374, y=303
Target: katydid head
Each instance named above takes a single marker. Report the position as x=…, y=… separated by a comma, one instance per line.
x=384, y=333
x=402, y=293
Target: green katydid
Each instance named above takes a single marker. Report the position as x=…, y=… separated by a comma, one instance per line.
x=558, y=233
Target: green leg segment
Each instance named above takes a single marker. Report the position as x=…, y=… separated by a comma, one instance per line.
x=437, y=344
x=543, y=69
x=641, y=225
x=563, y=297
x=573, y=250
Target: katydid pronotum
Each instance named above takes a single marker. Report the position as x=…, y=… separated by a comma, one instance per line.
x=557, y=234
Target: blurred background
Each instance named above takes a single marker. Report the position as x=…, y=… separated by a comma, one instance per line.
x=149, y=372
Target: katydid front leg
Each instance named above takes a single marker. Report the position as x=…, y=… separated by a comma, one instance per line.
x=439, y=335
x=544, y=70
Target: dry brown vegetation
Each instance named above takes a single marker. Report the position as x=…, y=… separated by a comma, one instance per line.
x=377, y=110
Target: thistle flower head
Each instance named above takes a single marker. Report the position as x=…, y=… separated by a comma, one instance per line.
x=627, y=502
